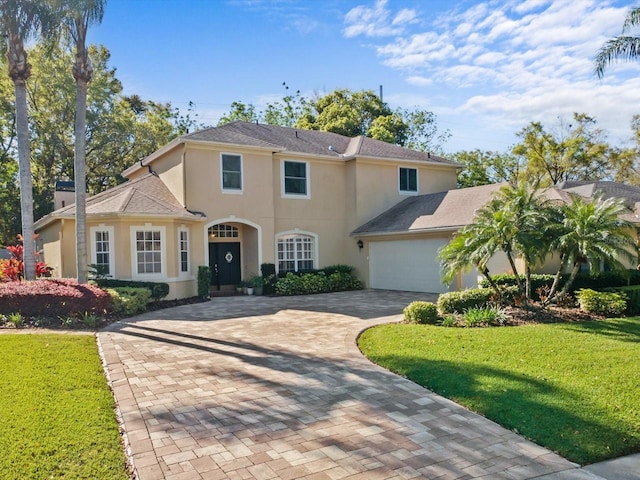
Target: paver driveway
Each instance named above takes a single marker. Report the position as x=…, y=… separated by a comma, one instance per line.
x=257, y=387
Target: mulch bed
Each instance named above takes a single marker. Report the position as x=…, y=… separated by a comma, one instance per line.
x=551, y=314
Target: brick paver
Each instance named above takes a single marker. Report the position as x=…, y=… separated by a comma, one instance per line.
x=275, y=387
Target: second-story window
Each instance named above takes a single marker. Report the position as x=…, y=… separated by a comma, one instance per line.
x=295, y=178
x=408, y=180
x=231, y=166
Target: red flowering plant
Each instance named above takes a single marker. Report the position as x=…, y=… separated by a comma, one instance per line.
x=12, y=269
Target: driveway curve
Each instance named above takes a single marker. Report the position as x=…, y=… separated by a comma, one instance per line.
x=275, y=387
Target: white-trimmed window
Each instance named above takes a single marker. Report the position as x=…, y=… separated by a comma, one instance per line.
x=408, y=180
x=295, y=179
x=296, y=252
x=183, y=250
x=148, y=251
x=102, y=239
x=231, y=172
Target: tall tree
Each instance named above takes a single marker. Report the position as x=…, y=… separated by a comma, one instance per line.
x=20, y=21
x=9, y=182
x=624, y=46
x=79, y=15
x=483, y=168
x=577, y=151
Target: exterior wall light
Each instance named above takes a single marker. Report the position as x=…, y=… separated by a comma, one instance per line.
x=360, y=244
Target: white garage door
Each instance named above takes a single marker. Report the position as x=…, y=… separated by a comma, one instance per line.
x=410, y=265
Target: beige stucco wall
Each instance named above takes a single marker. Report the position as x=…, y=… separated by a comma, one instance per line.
x=377, y=189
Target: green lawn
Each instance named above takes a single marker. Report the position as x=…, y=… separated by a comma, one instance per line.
x=56, y=410
x=571, y=387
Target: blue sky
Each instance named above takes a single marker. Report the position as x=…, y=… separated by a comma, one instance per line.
x=485, y=67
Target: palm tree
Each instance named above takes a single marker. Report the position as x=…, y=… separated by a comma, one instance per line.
x=624, y=46
x=20, y=21
x=515, y=222
x=593, y=232
x=531, y=217
x=78, y=15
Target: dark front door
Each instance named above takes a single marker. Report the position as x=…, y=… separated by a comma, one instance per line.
x=224, y=261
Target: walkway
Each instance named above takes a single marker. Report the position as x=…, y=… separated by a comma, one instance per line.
x=266, y=388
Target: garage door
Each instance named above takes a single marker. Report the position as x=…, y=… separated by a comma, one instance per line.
x=410, y=265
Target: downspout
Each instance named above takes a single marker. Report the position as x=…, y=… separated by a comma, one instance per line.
x=184, y=175
x=60, y=248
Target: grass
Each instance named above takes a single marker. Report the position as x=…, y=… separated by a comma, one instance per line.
x=571, y=387
x=56, y=410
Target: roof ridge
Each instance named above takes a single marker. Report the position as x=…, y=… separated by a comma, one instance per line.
x=127, y=200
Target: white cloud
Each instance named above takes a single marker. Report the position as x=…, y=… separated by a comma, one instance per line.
x=377, y=21
x=513, y=62
x=419, y=81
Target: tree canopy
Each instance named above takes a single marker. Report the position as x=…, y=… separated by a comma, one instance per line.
x=120, y=130
x=349, y=113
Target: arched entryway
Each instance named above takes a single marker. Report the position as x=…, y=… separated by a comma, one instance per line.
x=233, y=251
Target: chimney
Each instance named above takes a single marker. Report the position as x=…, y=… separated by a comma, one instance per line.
x=64, y=194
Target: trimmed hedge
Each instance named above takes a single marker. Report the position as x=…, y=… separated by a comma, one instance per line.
x=421, y=312
x=538, y=280
x=129, y=301
x=309, y=283
x=609, y=304
x=594, y=281
x=157, y=290
x=53, y=298
x=204, y=280
x=632, y=293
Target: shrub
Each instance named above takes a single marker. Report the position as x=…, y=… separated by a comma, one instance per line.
x=331, y=269
x=421, y=312
x=340, y=282
x=204, y=279
x=315, y=283
x=457, y=302
x=12, y=269
x=52, y=298
x=129, y=301
x=157, y=290
x=16, y=319
x=318, y=282
x=450, y=320
x=632, y=293
x=609, y=304
x=483, y=316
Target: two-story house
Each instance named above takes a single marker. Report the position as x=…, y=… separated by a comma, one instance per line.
x=243, y=194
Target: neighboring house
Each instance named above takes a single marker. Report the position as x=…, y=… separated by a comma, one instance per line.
x=244, y=194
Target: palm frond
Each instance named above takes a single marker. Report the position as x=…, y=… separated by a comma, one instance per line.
x=620, y=48
x=632, y=19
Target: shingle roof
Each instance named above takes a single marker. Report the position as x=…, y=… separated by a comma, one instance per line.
x=441, y=211
x=629, y=193
x=144, y=196
x=453, y=209
x=314, y=142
